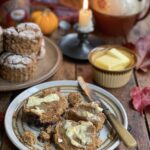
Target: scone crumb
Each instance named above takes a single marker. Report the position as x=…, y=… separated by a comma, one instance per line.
x=47, y=146
x=44, y=136
x=49, y=129
x=99, y=142
x=74, y=99
x=29, y=138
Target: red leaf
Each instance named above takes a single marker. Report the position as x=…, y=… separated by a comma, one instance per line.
x=140, y=98
x=142, y=51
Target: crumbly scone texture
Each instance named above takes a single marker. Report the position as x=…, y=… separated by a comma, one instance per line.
x=52, y=110
x=25, y=39
x=44, y=136
x=29, y=138
x=74, y=99
x=74, y=114
x=17, y=68
x=64, y=143
x=1, y=39
x=47, y=146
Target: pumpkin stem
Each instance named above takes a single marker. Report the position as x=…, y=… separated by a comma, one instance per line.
x=46, y=11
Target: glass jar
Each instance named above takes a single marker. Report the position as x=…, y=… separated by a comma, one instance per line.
x=14, y=12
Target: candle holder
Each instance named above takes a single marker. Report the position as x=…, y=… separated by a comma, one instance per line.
x=78, y=45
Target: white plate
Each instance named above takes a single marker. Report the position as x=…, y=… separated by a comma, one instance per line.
x=15, y=127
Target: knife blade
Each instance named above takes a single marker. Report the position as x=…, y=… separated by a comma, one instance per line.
x=123, y=133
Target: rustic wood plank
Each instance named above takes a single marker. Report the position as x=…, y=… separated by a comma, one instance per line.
x=85, y=70
x=136, y=121
x=4, y=102
x=7, y=145
x=5, y=98
x=143, y=80
x=141, y=29
x=65, y=72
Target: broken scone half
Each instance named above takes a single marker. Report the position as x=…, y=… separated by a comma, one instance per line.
x=87, y=112
x=71, y=135
x=45, y=107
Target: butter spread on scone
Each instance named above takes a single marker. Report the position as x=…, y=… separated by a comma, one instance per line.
x=46, y=107
x=87, y=112
x=72, y=135
x=35, y=101
x=79, y=132
x=91, y=115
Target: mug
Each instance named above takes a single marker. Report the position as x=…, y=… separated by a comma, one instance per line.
x=117, y=25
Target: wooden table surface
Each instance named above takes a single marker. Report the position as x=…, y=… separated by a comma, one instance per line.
x=140, y=125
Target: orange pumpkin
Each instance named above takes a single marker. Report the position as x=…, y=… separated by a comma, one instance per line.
x=47, y=20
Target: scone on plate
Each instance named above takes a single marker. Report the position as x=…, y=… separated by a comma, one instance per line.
x=1, y=39
x=74, y=98
x=29, y=138
x=87, y=112
x=25, y=39
x=71, y=135
x=17, y=68
x=45, y=107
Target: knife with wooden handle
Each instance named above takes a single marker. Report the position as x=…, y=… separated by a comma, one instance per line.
x=123, y=133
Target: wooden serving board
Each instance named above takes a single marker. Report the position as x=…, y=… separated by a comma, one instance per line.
x=46, y=68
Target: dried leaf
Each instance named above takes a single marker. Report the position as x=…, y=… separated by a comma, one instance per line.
x=140, y=98
x=142, y=51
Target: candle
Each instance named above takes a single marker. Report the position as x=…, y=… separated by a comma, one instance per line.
x=85, y=16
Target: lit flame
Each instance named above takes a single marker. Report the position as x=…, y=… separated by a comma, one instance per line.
x=85, y=4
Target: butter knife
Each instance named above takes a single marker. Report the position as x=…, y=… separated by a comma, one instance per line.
x=123, y=133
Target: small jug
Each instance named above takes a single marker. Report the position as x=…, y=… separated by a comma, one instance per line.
x=117, y=17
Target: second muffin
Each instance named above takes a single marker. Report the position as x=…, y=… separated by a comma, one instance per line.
x=17, y=68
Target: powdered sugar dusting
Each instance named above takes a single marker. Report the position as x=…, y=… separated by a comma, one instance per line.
x=25, y=30
x=15, y=61
x=28, y=26
x=11, y=30
x=29, y=34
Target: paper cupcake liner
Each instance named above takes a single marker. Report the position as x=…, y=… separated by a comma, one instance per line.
x=112, y=80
